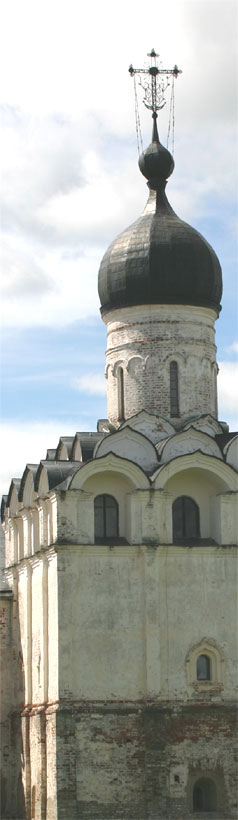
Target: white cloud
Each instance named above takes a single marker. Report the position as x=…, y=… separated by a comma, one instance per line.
x=70, y=181
x=94, y=384
x=27, y=443
x=233, y=348
x=228, y=393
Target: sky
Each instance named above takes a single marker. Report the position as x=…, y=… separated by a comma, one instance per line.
x=70, y=183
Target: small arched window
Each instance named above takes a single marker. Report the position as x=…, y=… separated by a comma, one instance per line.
x=121, y=395
x=174, y=396
x=105, y=517
x=185, y=518
x=203, y=668
x=204, y=795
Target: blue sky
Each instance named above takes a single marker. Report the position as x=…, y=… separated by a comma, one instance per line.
x=70, y=183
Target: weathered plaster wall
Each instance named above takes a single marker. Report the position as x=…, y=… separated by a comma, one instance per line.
x=114, y=632
x=139, y=611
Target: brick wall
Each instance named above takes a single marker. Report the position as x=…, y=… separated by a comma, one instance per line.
x=144, y=342
x=141, y=761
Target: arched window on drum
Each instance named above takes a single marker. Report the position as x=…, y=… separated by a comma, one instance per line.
x=121, y=394
x=174, y=390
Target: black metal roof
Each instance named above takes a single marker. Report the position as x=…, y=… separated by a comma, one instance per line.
x=159, y=259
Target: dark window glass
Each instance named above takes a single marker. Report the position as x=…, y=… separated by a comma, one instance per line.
x=174, y=399
x=203, y=668
x=121, y=398
x=185, y=518
x=204, y=795
x=105, y=517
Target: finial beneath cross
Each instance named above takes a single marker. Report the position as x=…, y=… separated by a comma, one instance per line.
x=158, y=81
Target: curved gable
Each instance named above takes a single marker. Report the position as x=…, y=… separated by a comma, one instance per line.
x=231, y=452
x=152, y=426
x=110, y=463
x=188, y=441
x=129, y=443
x=62, y=451
x=27, y=485
x=206, y=424
x=41, y=480
x=76, y=449
x=195, y=461
x=13, y=496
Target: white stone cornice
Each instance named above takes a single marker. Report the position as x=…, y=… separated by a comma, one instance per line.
x=190, y=313
x=24, y=566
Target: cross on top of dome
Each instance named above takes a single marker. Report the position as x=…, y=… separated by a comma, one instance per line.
x=154, y=80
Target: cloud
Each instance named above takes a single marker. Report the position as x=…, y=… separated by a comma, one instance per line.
x=233, y=348
x=228, y=392
x=94, y=384
x=23, y=277
x=27, y=443
x=70, y=182
x=62, y=211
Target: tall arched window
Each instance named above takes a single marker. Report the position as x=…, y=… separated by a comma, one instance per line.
x=174, y=396
x=105, y=517
x=121, y=396
x=203, y=668
x=204, y=795
x=185, y=518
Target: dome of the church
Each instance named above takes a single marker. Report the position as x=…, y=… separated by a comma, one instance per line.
x=159, y=259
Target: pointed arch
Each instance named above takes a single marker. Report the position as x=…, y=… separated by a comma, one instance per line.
x=107, y=464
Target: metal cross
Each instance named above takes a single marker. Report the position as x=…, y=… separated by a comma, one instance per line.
x=155, y=86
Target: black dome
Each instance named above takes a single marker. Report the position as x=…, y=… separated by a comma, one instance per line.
x=159, y=259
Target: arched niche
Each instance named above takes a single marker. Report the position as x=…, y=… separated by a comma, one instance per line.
x=211, y=483
x=110, y=463
x=204, y=796
x=114, y=476
x=119, y=363
x=216, y=469
x=206, y=793
x=135, y=365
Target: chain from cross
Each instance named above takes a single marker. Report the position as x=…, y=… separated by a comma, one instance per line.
x=158, y=81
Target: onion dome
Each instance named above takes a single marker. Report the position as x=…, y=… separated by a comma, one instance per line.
x=159, y=259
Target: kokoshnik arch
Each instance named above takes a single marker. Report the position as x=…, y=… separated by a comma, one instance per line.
x=119, y=642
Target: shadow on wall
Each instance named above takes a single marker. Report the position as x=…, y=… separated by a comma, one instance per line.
x=12, y=799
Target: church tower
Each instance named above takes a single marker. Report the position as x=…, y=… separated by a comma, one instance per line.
x=160, y=286
x=119, y=639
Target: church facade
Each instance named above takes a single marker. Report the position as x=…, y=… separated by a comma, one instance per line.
x=117, y=613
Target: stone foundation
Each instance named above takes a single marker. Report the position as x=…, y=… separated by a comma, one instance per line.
x=131, y=761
